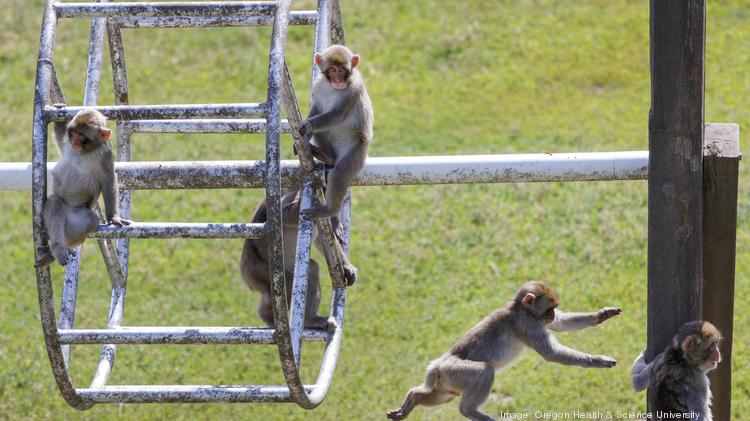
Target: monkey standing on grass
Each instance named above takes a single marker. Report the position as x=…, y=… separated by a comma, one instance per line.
x=468, y=368
x=676, y=380
x=340, y=122
x=85, y=170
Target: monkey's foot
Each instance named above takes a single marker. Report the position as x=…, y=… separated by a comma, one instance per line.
x=320, y=322
x=120, y=222
x=396, y=414
x=350, y=274
x=45, y=258
x=61, y=255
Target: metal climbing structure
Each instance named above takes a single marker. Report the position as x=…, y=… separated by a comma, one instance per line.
x=107, y=20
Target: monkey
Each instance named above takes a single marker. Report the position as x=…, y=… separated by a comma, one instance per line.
x=85, y=171
x=340, y=122
x=469, y=366
x=255, y=269
x=676, y=379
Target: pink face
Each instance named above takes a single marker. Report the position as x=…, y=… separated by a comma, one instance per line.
x=337, y=76
x=714, y=356
x=77, y=140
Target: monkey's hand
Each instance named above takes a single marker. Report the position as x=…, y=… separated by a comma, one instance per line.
x=602, y=361
x=305, y=129
x=116, y=220
x=350, y=274
x=607, y=313
x=45, y=257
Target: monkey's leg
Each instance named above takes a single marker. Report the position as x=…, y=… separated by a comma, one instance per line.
x=55, y=216
x=474, y=379
x=420, y=395
x=339, y=180
x=312, y=319
x=79, y=223
x=265, y=308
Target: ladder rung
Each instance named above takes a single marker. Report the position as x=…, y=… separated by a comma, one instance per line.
x=150, y=175
x=150, y=112
x=181, y=335
x=303, y=17
x=110, y=10
x=203, y=126
x=180, y=230
x=187, y=394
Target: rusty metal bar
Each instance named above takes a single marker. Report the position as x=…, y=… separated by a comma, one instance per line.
x=69, y=297
x=378, y=171
x=301, y=269
x=154, y=230
x=243, y=126
x=157, y=9
x=303, y=17
x=188, y=394
x=148, y=335
x=337, y=24
x=150, y=112
x=44, y=73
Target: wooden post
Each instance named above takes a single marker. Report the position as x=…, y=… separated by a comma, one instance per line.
x=721, y=161
x=675, y=175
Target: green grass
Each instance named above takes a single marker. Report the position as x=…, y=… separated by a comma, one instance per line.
x=445, y=78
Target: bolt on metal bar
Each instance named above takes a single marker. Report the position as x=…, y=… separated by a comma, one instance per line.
x=147, y=335
x=298, y=18
x=157, y=9
x=154, y=230
x=243, y=126
x=151, y=112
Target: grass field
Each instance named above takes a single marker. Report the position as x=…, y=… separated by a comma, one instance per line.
x=446, y=77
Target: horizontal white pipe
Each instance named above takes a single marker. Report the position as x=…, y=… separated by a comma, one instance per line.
x=462, y=169
x=180, y=335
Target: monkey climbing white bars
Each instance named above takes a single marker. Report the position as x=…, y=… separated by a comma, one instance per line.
x=49, y=106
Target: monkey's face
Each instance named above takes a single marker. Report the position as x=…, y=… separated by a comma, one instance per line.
x=86, y=139
x=338, y=76
x=87, y=131
x=700, y=346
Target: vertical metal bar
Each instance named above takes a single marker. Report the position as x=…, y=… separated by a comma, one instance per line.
x=337, y=24
x=675, y=173
x=301, y=269
x=69, y=296
x=122, y=249
x=39, y=193
x=321, y=32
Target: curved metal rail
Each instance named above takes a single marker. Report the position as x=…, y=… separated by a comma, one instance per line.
x=108, y=19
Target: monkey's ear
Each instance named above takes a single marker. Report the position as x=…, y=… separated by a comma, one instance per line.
x=528, y=300
x=687, y=344
x=105, y=132
x=318, y=59
x=355, y=61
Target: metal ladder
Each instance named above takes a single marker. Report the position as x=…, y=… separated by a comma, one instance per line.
x=288, y=334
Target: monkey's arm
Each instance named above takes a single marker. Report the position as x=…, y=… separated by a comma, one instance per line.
x=640, y=373
x=576, y=321
x=110, y=192
x=317, y=121
x=551, y=350
x=59, y=132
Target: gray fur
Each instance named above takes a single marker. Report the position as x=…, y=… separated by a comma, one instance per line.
x=340, y=121
x=469, y=367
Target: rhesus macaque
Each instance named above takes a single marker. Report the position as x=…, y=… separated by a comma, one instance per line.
x=85, y=170
x=468, y=368
x=255, y=270
x=676, y=379
x=340, y=121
